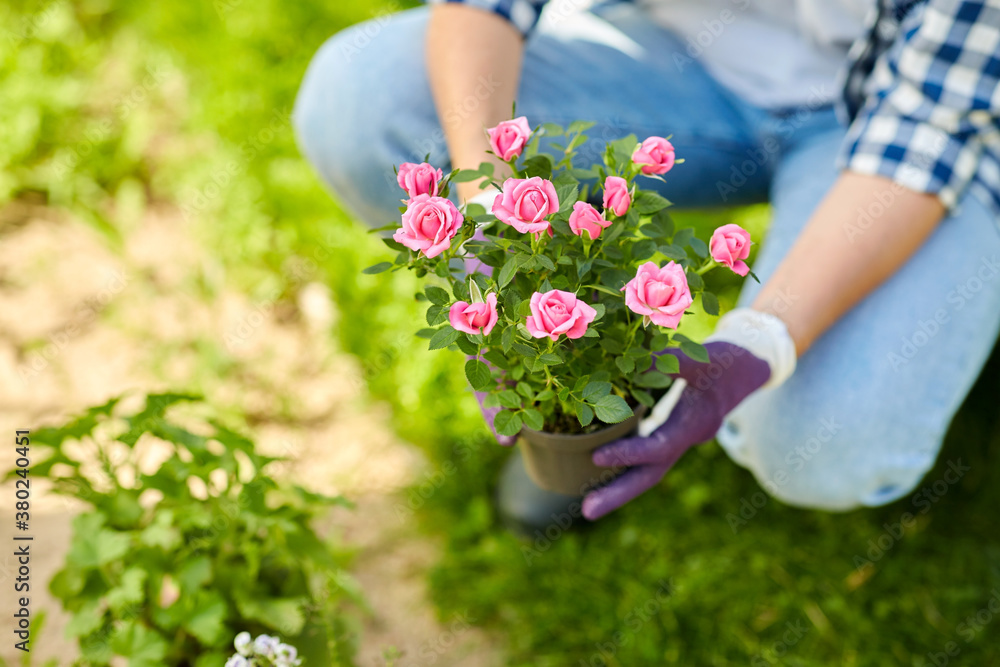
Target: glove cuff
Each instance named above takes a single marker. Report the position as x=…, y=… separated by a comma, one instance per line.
x=762, y=334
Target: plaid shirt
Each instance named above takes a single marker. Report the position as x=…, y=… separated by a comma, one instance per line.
x=921, y=94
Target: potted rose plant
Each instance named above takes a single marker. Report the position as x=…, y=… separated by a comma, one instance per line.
x=564, y=291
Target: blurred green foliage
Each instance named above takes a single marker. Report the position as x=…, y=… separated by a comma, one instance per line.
x=172, y=560
x=231, y=68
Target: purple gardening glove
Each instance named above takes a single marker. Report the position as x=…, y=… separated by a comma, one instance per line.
x=713, y=390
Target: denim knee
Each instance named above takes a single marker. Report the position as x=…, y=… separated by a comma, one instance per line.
x=833, y=460
x=362, y=107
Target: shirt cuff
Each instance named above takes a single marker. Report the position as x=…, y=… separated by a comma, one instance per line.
x=522, y=14
x=914, y=154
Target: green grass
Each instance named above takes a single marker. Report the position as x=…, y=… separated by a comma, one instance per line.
x=225, y=69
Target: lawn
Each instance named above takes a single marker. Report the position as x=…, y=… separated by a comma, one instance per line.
x=113, y=107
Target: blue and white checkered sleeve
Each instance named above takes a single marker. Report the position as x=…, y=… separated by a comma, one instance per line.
x=931, y=99
x=523, y=14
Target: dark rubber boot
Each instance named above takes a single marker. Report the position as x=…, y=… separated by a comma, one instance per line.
x=528, y=510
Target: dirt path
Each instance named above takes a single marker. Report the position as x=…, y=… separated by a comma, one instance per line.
x=80, y=323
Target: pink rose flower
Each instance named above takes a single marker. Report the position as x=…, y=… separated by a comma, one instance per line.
x=617, y=198
x=659, y=295
x=507, y=139
x=419, y=179
x=474, y=318
x=730, y=245
x=525, y=204
x=555, y=313
x=429, y=225
x=655, y=156
x=586, y=218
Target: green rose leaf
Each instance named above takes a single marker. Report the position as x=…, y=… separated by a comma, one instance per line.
x=647, y=202
x=710, y=303
x=467, y=346
x=595, y=391
x=550, y=359
x=653, y=379
x=545, y=395
x=510, y=399
x=466, y=175
x=507, y=339
x=568, y=195
x=444, y=337
x=625, y=364
x=377, y=268
x=507, y=423
x=643, y=397
x=695, y=350
x=524, y=350
x=699, y=247
x=667, y=363
x=584, y=413
x=436, y=315
x=478, y=374
x=533, y=419
x=437, y=296
x=612, y=409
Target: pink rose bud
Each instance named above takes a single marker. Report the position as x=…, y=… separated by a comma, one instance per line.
x=507, y=140
x=616, y=195
x=655, y=156
x=525, y=204
x=585, y=218
x=474, y=318
x=429, y=225
x=659, y=295
x=555, y=313
x=730, y=245
x=419, y=179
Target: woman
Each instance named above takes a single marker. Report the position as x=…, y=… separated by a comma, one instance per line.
x=873, y=132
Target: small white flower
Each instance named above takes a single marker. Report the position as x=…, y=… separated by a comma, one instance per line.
x=287, y=651
x=242, y=643
x=265, y=645
x=237, y=661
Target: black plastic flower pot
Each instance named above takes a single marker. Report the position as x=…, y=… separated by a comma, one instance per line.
x=561, y=462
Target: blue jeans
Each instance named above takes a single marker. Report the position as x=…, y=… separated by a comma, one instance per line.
x=863, y=417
